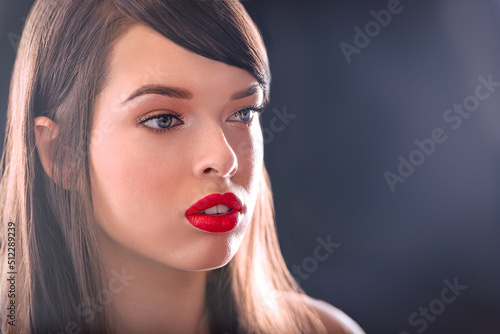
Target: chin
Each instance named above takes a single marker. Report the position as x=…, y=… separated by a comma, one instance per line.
x=214, y=251
x=207, y=264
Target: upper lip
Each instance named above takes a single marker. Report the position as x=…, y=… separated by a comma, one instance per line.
x=228, y=199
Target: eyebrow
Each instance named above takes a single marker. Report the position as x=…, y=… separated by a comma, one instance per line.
x=173, y=92
x=253, y=89
x=180, y=93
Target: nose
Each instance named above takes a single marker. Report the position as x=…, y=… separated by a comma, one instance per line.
x=214, y=155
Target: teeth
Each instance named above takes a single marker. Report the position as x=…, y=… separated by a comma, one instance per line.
x=216, y=210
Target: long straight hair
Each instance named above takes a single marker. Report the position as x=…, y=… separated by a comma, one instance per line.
x=60, y=68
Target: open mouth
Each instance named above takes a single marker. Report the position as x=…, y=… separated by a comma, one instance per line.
x=216, y=213
x=217, y=210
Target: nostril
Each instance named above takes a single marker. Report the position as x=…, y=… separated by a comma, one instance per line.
x=207, y=170
x=233, y=171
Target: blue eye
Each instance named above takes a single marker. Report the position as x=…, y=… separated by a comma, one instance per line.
x=245, y=115
x=162, y=122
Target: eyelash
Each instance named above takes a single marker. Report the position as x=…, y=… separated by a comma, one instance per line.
x=180, y=118
x=172, y=115
x=254, y=110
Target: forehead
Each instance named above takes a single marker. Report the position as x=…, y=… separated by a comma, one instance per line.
x=143, y=56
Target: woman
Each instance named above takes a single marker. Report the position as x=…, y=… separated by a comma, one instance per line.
x=134, y=179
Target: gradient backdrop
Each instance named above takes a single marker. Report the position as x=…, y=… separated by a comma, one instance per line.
x=351, y=98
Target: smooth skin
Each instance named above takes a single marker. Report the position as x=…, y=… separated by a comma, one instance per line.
x=169, y=128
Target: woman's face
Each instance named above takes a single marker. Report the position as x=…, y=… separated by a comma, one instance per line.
x=170, y=128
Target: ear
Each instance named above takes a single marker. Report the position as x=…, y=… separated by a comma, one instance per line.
x=46, y=131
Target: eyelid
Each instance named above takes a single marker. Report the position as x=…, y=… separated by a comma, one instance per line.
x=144, y=119
x=254, y=109
x=160, y=113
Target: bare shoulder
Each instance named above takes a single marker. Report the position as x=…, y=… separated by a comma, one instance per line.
x=335, y=321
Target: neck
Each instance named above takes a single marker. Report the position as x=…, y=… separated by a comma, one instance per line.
x=150, y=297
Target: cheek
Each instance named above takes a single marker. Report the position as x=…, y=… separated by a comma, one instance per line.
x=249, y=151
x=133, y=182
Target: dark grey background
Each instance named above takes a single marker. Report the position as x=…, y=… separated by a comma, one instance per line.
x=352, y=123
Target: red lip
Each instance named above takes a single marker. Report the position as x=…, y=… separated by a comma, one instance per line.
x=215, y=223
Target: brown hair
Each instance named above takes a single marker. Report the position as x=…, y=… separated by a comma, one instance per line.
x=60, y=68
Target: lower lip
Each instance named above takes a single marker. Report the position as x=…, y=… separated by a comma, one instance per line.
x=214, y=224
